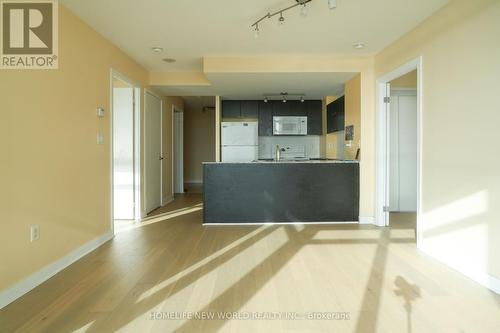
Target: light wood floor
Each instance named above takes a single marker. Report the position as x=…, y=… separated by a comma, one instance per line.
x=174, y=264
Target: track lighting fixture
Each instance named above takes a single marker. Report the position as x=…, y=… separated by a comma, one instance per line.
x=281, y=20
x=257, y=31
x=332, y=4
x=284, y=97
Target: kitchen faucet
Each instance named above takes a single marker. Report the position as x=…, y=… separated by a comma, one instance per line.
x=277, y=157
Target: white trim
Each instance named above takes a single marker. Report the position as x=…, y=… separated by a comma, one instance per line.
x=137, y=147
x=279, y=223
x=9, y=295
x=483, y=278
x=403, y=91
x=367, y=220
x=167, y=200
x=382, y=141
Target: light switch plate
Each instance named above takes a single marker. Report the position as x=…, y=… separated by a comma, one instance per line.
x=100, y=112
x=34, y=232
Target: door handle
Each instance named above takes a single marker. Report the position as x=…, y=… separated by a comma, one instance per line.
x=161, y=158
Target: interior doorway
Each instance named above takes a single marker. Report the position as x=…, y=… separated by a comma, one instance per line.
x=178, y=149
x=125, y=150
x=398, y=148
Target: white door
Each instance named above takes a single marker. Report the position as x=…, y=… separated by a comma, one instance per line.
x=153, y=152
x=123, y=153
x=408, y=153
x=178, y=152
x=403, y=152
x=394, y=155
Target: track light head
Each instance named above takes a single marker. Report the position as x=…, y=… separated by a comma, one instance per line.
x=281, y=20
x=332, y=4
x=256, y=31
x=303, y=10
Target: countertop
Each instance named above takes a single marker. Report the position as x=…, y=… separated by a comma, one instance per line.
x=289, y=161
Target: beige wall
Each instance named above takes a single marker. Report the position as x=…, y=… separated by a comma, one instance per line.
x=352, y=117
x=460, y=155
x=52, y=172
x=406, y=81
x=199, y=142
x=168, y=154
x=353, y=114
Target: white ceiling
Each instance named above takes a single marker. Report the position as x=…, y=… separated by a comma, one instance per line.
x=191, y=29
x=254, y=85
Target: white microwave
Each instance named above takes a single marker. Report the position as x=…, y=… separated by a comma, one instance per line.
x=289, y=125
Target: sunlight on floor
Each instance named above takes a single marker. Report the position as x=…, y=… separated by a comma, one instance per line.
x=196, y=266
x=124, y=225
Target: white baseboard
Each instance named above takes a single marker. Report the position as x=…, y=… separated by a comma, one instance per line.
x=483, y=278
x=9, y=295
x=367, y=220
x=167, y=200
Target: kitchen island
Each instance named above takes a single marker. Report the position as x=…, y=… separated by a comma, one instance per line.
x=281, y=192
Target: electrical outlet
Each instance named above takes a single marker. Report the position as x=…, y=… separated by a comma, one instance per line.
x=34, y=232
x=100, y=138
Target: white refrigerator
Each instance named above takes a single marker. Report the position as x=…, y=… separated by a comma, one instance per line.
x=240, y=141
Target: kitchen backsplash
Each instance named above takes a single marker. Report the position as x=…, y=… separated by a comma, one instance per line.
x=295, y=146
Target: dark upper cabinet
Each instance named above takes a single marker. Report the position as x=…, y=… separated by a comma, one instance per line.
x=314, y=112
x=265, y=119
x=265, y=112
x=249, y=109
x=335, y=115
x=280, y=108
x=231, y=109
x=298, y=108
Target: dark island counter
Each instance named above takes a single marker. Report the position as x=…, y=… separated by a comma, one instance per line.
x=281, y=192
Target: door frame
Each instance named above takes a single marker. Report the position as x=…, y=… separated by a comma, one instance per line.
x=383, y=140
x=152, y=93
x=176, y=109
x=114, y=74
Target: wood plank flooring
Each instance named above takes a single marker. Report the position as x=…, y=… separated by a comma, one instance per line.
x=172, y=266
